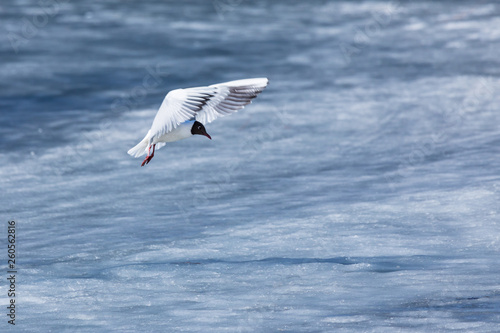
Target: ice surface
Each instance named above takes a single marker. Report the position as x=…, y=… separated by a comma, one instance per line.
x=358, y=193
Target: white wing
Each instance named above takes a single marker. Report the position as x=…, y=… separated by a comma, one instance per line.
x=204, y=103
x=230, y=97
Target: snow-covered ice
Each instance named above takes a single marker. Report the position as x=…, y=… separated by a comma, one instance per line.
x=358, y=193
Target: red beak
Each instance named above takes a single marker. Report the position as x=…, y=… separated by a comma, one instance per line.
x=208, y=136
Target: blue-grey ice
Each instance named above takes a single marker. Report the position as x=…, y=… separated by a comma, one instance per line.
x=359, y=193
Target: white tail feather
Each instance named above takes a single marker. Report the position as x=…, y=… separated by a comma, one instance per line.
x=140, y=148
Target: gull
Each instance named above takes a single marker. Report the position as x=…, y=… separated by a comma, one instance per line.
x=184, y=111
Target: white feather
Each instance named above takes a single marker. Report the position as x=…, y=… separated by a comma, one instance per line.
x=203, y=104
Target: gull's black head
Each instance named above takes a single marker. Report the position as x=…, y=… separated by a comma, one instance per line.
x=199, y=129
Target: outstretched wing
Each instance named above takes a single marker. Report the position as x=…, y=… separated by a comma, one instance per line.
x=230, y=97
x=205, y=103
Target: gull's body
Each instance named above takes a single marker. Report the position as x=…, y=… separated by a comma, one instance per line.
x=184, y=111
x=183, y=131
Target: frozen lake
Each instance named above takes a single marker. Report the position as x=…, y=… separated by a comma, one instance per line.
x=358, y=193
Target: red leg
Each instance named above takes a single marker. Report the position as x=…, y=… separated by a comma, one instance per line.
x=149, y=157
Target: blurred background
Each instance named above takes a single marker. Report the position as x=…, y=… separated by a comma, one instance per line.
x=358, y=192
